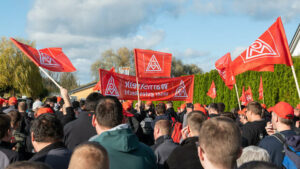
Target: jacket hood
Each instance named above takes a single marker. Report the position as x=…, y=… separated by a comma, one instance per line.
x=119, y=138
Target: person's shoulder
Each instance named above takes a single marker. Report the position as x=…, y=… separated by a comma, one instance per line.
x=269, y=141
x=11, y=155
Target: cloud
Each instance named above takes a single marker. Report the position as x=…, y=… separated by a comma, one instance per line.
x=257, y=9
x=86, y=28
x=237, y=51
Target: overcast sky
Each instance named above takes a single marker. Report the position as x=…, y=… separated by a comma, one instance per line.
x=195, y=31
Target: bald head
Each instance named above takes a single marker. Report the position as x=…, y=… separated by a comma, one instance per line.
x=89, y=155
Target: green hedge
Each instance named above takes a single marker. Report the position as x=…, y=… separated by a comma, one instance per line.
x=278, y=86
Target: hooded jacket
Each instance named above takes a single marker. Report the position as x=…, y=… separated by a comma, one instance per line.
x=124, y=149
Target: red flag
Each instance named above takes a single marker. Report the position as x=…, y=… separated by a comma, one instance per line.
x=269, y=49
x=152, y=89
x=150, y=63
x=223, y=66
x=212, y=91
x=52, y=59
x=249, y=96
x=98, y=85
x=243, y=97
x=261, y=90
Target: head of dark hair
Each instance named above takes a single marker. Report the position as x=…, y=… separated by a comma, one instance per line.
x=170, y=103
x=4, y=124
x=229, y=114
x=109, y=112
x=75, y=104
x=47, y=128
x=214, y=106
x=255, y=108
x=92, y=101
x=221, y=107
x=15, y=117
x=82, y=103
x=258, y=165
x=160, y=108
x=28, y=165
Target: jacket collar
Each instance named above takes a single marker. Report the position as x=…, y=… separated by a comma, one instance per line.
x=190, y=140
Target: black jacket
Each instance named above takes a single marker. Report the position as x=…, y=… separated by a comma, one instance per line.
x=64, y=119
x=55, y=155
x=79, y=130
x=171, y=112
x=162, y=148
x=253, y=132
x=7, y=156
x=185, y=156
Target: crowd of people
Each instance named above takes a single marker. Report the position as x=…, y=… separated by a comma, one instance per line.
x=102, y=132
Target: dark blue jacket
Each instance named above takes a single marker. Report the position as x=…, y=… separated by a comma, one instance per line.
x=275, y=147
x=7, y=156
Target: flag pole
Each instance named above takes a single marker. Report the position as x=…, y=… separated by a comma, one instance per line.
x=296, y=81
x=237, y=96
x=50, y=77
x=138, y=88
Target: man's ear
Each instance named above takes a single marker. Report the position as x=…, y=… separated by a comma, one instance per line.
x=94, y=121
x=200, y=153
x=32, y=137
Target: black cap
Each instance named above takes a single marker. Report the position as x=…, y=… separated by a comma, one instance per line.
x=189, y=105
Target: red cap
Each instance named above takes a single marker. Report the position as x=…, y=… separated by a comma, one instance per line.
x=198, y=107
x=263, y=106
x=12, y=101
x=284, y=110
x=298, y=106
x=43, y=110
x=148, y=103
x=1, y=101
x=242, y=112
x=182, y=106
x=58, y=99
x=126, y=106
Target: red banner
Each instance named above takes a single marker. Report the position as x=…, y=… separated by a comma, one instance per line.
x=223, y=66
x=153, y=89
x=97, y=87
x=261, y=90
x=52, y=59
x=243, y=97
x=212, y=92
x=150, y=63
x=269, y=49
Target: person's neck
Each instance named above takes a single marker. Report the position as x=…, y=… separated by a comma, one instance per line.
x=256, y=118
x=209, y=165
x=282, y=127
x=39, y=146
x=101, y=129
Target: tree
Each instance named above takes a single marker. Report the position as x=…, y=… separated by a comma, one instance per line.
x=18, y=75
x=179, y=69
x=68, y=80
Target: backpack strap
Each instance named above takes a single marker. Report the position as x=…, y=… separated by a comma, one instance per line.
x=280, y=137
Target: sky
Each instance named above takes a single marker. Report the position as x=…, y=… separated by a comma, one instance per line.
x=194, y=31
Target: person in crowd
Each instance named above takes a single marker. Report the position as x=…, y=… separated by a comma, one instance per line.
x=46, y=137
x=185, y=155
x=189, y=109
x=254, y=130
x=18, y=137
x=89, y=155
x=81, y=129
x=160, y=111
x=82, y=105
x=7, y=155
x=258, y=165
x=296, y=118
x=66, y=113
x=124, y=149
x=171, y=112
x=28, y=165
x=164, y=144
x=221, y=107
x=76, y=108
x=12, y=102
x=199, y=107
x=282, y=121
x=36, y=105
x=181, y=112
x=253, y=153
x=219, y=143
x=229, y=114
x=213, y=110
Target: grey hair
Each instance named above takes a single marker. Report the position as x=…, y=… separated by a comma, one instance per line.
x=253, y=153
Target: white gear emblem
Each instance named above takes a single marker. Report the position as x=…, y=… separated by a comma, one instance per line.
x=111, y=88
x=181, y=90
x=153, y=65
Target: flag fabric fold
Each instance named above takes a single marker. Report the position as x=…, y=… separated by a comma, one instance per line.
x=52, y=59
x=223, y=66
x=150, y=63
x=212, y=92
x=269, y=49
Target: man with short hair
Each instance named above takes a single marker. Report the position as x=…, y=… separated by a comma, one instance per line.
x=254, y=130
x=213, y=110
x=171, y=112
x=185, y=155
x=160, y=111
x=7, y=156
x=123, y=147
x=46, y=137
x=89, y=155
x=28, y=165
x=81, y=129
x=189, y=109
x=282, y=120
x=164, y=144
x=12, y=102
x=219, y=143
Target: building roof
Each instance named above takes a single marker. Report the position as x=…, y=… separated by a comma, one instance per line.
x=295, y=42
x=83, y=87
